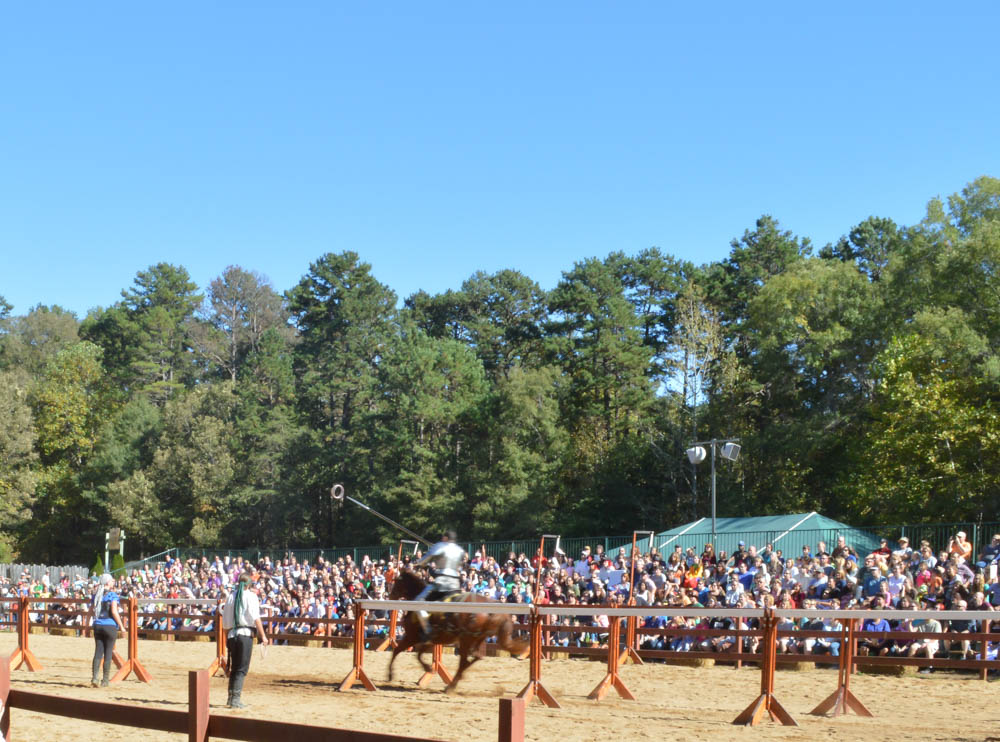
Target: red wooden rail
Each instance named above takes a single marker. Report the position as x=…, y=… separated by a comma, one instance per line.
x=200, y=725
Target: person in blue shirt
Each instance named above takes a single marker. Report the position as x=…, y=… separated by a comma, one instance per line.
x=876, y=646
x=107, y=623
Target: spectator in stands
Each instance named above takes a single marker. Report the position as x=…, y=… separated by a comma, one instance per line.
x=903, y=551
x=928, y=646
x=960, y=546
x=990, y=554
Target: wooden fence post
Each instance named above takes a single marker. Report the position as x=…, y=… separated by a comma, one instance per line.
x=198, y=706
x=219, y=663
x=534, y=688
x=357, y=673
x=511, y=720
x=132, y=664
x=22, y=655
x=612, y=678
x=4, y=695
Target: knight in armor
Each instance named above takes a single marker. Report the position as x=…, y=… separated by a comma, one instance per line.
x=444, y=560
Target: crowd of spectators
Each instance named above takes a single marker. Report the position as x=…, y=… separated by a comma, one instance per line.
x=901, y=576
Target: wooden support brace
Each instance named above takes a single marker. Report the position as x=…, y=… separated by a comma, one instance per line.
x=612, y=679
x=390, y=640
x=23, y=655
x=132, y=664
x=534, y=688
x=220, y=663
x=766, y=703
x=357, y=673
x=630, y=654
x=437, y=669
x=843, y=700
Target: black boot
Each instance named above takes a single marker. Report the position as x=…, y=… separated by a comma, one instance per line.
x=235, y=693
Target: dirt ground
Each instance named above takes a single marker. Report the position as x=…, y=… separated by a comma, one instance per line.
x=299, y=684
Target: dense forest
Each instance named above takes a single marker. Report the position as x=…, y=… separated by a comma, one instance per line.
x=861, y=379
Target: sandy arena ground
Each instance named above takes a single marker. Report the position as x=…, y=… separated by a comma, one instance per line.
x=298, y=684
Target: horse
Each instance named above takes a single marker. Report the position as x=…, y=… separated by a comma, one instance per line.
x=467, y=631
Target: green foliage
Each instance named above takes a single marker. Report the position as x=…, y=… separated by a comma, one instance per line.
x=117, y=564
x=862, y=383
x=98, y=569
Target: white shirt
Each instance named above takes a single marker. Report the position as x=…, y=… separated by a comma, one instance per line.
x=248, y=616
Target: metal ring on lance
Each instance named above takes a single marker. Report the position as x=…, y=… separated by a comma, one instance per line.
x=337, y=492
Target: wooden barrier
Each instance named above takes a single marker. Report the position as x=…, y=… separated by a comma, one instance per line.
x=201, y=726
x=534, y=688
x=842, y=699
x=220, y=663
x=132, y=664
x=23, y=655
x=766, y=701
x=612, y=678
x=357, y=673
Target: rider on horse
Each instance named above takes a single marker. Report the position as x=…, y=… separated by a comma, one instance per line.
x=444, y=559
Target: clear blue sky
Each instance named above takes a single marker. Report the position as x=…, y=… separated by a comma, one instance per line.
x=437, y=139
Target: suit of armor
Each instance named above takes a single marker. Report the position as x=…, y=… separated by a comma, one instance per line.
x=445, y=559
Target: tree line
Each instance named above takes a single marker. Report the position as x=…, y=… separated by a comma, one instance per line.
x=861, y=379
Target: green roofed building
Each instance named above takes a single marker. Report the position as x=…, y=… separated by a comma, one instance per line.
x=789, y=533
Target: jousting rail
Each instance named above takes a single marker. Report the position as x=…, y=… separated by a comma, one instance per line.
x=841, y=701
x=538, y=621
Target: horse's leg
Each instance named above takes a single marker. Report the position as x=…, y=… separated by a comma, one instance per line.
x=464, y=648
x=408, y=640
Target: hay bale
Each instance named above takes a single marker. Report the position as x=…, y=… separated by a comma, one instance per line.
x=797, y=666
x=304, y=642
x=896, y=671
x=693, y=662
x=62, y=631
x=37, y=630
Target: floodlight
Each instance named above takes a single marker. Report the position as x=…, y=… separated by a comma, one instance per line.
x=730, y=451
x=696, y=454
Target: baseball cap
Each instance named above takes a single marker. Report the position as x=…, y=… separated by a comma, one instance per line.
x=743, y=543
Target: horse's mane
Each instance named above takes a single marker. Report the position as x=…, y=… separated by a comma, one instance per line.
x=411, y=582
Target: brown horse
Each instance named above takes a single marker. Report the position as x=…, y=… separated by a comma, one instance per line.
x=467, y=631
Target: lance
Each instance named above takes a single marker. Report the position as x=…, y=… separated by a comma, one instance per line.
x=337, y=493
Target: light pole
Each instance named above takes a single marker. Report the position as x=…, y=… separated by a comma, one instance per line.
x=696, y=454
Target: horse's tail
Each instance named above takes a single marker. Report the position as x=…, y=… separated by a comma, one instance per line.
x=507, y=642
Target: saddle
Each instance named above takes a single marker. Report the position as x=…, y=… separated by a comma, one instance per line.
x=445, y=621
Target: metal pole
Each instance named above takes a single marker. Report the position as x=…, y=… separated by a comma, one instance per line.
x=713, y=492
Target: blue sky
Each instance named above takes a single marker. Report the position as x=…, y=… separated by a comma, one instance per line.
x=438, y=139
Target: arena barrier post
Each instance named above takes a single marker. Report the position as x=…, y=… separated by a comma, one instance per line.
x=612, y=679
x=842, y=699
x=132, y=664
x=198, y=710
x=22, y=655
x=220, y=662
x=984, y=648
x=390, y=640
x=534, y=688
x=437, y=668
x=630, y=654
x=4, y=695
x=766, y=702
x=511, y=727
x=357, y=673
